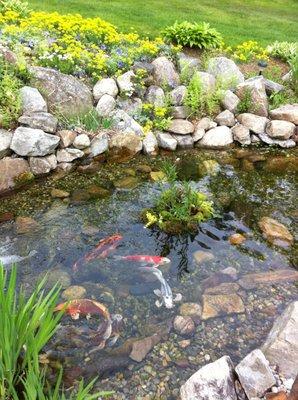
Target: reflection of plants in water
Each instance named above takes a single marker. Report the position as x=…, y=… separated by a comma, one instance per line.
x=27, y=325
x=180, y=208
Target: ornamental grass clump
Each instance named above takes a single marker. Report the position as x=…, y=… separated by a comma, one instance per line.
x=198, y=35
x=27, y=324
x=179, y=208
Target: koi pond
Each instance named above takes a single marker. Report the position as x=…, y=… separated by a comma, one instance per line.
x=225, y=284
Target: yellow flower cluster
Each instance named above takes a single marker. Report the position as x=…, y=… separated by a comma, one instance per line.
x=78, y=45
x=248, y=51
x=154, y=117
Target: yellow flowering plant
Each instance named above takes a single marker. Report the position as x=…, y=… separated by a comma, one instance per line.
x=153, y=117
x=248, y=51
x=76, y=45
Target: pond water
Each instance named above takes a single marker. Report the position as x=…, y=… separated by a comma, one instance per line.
x=244, y=186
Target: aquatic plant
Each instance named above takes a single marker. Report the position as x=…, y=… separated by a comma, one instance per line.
x=180, y=208
x=27, y=325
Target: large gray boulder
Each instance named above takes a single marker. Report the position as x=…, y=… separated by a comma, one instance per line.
x=253, y=122
x=156, y=96
x=33, y=142
x=5, y=140
x=226, y=71
x=282, y=130
x=166, y=141
x=184, y=141
x=164, y=73
x=105, y=86
x=10, y=170
x=64, y=94
x=255, y=89
x=214, y=381
x=225, y=118
x=255, y=374
x=40, y=120
x=281, y=345
x=42, y=165
x=218, y=137
x=81, y=141
x=32, y=101
x=288, y=112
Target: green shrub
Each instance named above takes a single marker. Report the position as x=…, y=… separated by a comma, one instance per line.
x=245, y=104
x=200, y=101
x=283, y=50
x=294, y=73
x=10, y=100
x=193, y=35
x=27, y=324
x=19, y=6
x=180, y=208
x=90, y=122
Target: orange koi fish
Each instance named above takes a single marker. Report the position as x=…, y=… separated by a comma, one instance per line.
x=78, y=307
x=102, y=250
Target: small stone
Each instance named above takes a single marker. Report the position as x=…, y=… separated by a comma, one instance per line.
x=150, y=144
x=33, y=142
x=275, y=232
x=42, y=165
x=210, y=167
x=251, y=281
x=166, y=141
x=230, y=101
x=180, y=112
x=157, y=176
x=125, y=83
x=105, y=86
x=105, y=105
x=198, y=134
x=225, y=118
x=59, y=194
x=25, y=225
x=68, y=155
x=190, y=310
x=222, y=304
x=255, y=87
x=184, y=141
x=253, y=122
x=41, y=120
x=255, y=374
x=74, y=292
x=204, y=123
x=11, y=170
x=164, y=72
x=97, y=192
x=124, y=147
x=237, y=238
x=32, y=100
x=5, y=140
x=81, y=141
x=184, y=343
x=156, y=96
x=218, y=137
x=181, y=127
x=130, y=182
x=288, y=112
x=276, y=396
x=99, y=144
x=201, y=256
x=66, y=138
x=184, y=325
x=178, y=95
x=223, y=288
x=282, y=130
x=241, y=134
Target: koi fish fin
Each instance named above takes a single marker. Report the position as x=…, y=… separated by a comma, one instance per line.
x=158, y=303
x=178, y=297
x=157, y=292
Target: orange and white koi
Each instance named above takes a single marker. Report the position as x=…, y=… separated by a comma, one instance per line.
x=86, y=307
x=102, y=250
x=155, y=261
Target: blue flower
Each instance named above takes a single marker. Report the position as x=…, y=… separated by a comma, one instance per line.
x=120, y=64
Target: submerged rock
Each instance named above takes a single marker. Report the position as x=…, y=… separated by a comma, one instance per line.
x=193, y=310
x=123, y=147
x=237, y=238
x=255, y=374
x=221, y=304
x=59, y=194
x=275, y=232
x=130, y=182
x=201, y=256
x=251, y=281
x=184, y=325
x=214, y=381
x=74, y=292
x=281, y=345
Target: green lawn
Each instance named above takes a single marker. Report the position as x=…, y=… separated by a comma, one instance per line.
x=238, y=20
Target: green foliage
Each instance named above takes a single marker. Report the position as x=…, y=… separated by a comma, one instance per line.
x=286, y=96
x=90, y=122
x=294, y=73
x=193, y=35
x=27, y=324
x=19, y=6
x=247, y=51
x=153, y=117
x=200, y=101
x=283, y=50
x=179, y=208
x=245, y=104
x=10, y=101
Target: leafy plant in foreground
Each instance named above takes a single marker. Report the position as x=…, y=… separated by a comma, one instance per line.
x=27, y=324
x=180, y=208
x=283, y=50
x=190, y=34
